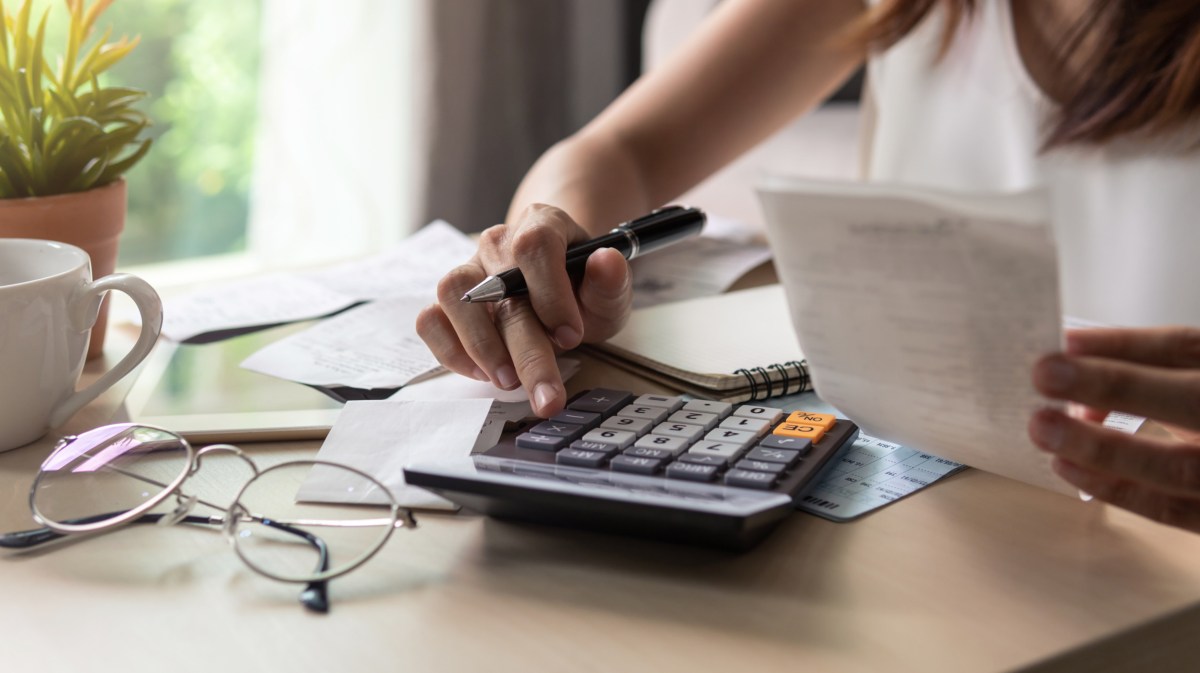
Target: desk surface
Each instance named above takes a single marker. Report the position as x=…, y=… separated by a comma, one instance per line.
x=977, y=573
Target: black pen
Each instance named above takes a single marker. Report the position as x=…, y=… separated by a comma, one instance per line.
x=633, y=238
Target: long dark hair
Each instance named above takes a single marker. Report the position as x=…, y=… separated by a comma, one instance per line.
x=1143, y=81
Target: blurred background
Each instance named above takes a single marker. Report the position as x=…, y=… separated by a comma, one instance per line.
x=298, y=132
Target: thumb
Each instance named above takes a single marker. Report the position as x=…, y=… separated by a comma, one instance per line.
x=605, y=295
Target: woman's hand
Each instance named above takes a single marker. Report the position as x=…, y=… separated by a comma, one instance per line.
x=514, y=342
x=1148, y=372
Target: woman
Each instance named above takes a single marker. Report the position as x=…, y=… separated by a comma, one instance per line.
x=1099, y=99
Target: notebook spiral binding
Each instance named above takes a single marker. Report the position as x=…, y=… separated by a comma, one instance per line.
x=760, y=380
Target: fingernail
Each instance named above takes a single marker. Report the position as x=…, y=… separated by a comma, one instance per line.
x=1048, y=430
x=480, y=375
x=1055, y=375
x=566, y=337
x=506, y=377
x=543, y=395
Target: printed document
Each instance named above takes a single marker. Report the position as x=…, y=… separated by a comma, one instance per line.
x=921, y=313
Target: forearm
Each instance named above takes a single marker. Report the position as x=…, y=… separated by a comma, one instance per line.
x=591, y=178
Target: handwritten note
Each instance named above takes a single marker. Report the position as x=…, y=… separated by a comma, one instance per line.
x=922, y=313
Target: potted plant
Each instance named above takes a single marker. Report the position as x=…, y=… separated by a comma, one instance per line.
x=65, y=139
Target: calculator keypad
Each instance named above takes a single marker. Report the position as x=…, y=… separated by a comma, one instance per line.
x=745, y=446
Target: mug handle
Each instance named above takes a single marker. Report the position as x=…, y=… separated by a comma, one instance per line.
x=85, y=306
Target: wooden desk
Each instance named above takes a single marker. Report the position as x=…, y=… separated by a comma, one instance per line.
x=975, y=574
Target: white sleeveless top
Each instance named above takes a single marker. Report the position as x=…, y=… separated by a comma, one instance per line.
x=1127, y=217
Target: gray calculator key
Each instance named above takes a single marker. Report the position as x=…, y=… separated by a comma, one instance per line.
x=580, y=458
x=668, y=403
x=703, y=459
x=770, y=414
x=766, y=453
x=721, y=409
x=601, y=401
x=623, y=463
x=702, y=418
x=691, y=471
x=760, y=466
x=756, y=425
x=675, y=445
x=651, y=413
x=729, y=436
x=749, y=479
x=638, y=426
x=555, y=429
x=585, y=445
x=617, y=438
x=528, y=440
x=643, y=452
x=685, y=430
x=719, y=449
x=587, y=419
x=781, y=442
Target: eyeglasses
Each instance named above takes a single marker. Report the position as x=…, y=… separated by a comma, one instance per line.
x=114, y=475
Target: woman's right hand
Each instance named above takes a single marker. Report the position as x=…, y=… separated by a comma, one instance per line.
x=514, y=342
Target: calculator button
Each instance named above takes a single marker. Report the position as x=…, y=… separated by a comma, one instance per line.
x=662, y=401
x=770, y=414
x=528, y=440
x=812, y=433
x=687, y=431
x=767, y=454
x=651, y=413
x=706, y=420
x=638, y=426
x=691, y=471
x=623, y=463
x=749, y=479
x=721, y=409
x=675, y=445
x=580, y=458
x=789, y=443
x=806, y=418
x=703, y=459
x=601, y=401
x=727, y=436
x=760, y=466
x=717, y=449
x=555, y=429
x=756, y=425
x=585, y=445
x=587, y=419
x=617, y=438
x=643, y=452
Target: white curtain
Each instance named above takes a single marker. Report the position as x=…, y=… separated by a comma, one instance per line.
x=337, y=170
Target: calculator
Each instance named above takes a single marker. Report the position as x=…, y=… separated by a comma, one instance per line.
x=670, y=468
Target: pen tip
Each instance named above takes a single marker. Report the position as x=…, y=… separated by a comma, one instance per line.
x=466, y=298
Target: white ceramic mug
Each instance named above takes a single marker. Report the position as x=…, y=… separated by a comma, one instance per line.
x=48, y=303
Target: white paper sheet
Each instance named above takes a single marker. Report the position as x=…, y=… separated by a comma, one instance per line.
x=381, y=437
x=371, y=346
x=412, y=267
x=512, y=405
x=697, y=267
x=921, y=314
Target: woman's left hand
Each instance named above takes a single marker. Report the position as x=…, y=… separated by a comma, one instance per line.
x=1147, y=372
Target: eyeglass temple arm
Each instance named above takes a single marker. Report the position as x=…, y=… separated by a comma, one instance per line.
x=314, y=597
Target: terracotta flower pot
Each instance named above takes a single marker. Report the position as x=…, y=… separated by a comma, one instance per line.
x=92, y=220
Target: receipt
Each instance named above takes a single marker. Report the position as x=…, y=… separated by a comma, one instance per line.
x=922, y=313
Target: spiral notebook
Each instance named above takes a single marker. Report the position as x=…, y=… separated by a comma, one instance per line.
x=732, y=347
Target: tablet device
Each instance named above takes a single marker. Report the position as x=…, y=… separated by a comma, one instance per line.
x=201, y=392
